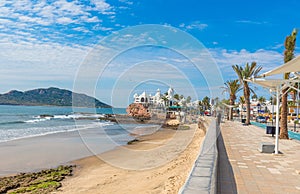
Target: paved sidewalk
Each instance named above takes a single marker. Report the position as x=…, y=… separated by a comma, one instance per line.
x=243, y=169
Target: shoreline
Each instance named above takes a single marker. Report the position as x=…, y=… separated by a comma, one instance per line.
x=37, y=153
x=159, y=145
x=32, y=147
x=156, y=162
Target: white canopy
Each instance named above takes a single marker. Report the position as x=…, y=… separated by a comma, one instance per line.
x=230, y=106
x=275, y=85
x=272, y=83
x=291, y=66
x=278, y=85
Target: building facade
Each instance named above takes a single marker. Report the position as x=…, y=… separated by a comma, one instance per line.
x=158, y=99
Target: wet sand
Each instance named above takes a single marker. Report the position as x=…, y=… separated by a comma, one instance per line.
x=49, y=151
x=157, y=163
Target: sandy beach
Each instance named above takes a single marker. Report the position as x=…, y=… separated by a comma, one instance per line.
x=158, y=163
x=49, y=151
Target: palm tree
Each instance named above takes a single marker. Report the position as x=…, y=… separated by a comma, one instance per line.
x=254, y=96
x=232, y=87
x=289, y=44
x=242, y=102
x=206, y=103
x=200, y=106
x=176, y=96
x=188, y=99
x=261, y=99
x=166, y=100
x=247, y=72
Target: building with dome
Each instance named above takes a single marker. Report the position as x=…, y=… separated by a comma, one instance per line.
x=157, y=100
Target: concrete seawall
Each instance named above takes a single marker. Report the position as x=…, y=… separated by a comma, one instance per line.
x=203, y=176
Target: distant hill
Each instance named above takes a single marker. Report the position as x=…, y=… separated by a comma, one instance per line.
x=51, y=97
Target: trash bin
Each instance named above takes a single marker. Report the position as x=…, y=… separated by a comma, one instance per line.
x=271, y=130
x=243, y=120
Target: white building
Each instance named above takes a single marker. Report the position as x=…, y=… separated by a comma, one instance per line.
x=157, y=99
x=170, y=97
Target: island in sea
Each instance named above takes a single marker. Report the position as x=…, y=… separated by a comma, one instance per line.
x=50, y=97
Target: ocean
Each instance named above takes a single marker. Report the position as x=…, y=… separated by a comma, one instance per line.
x=40, y=137
x=17, y=122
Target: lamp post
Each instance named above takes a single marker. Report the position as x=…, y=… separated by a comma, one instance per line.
x=277, y=119
x=272, y=110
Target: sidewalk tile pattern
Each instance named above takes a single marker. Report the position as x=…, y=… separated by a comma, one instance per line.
x=255, y=172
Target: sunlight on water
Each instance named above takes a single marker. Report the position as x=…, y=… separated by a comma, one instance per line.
x=18, y=122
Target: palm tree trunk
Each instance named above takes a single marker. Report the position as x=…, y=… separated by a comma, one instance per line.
x=294, y=96
x=247, y=100
x=284, y=112
x=289, y=44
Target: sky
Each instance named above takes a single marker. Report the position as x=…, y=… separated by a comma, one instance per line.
x=66, y=44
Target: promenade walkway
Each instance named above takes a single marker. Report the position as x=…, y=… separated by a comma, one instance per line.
x=243, y=169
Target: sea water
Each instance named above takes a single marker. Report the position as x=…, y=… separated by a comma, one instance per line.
x=18, y=122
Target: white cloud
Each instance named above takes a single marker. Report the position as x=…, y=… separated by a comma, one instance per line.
x=65, y=20
x=26, y=19
x=127, y=2
x=31, y=16
x=90, y=19
x=69, y=8
x=5, y=21
x=101, y=5
x=278, y=46
x=30, y=64
x=196, y=25
x=24, y=5
x=101, y=28
x=268, y=59
x=250, y=22
x=81, y=29
x=45, y=11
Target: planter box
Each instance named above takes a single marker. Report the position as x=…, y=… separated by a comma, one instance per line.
x=266, y=147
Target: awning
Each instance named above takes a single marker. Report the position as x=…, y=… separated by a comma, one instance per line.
x=291, y=66
x=275, y=85
x=279, y=85
x=174, y=107
x=272, y=83
x=230, y=106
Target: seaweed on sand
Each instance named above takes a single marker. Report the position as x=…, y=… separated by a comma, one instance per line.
x=44, y=181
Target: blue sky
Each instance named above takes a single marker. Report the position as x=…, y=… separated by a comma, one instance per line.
x=44, y=43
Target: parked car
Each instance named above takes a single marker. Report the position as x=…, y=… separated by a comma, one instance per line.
x=207, y=113
x=261, y=119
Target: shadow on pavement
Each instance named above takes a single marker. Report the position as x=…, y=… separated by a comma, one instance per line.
x=226, y=182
